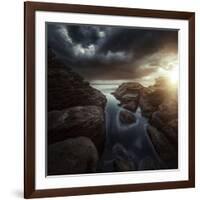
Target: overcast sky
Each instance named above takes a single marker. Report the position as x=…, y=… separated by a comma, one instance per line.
x=114, y=53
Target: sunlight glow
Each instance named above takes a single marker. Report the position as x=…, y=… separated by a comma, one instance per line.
x=173, y=76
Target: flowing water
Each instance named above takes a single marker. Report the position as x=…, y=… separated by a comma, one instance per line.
x=132, y=137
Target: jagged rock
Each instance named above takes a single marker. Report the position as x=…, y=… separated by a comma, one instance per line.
x=121, y=165
x=72, y=156
x=166, y=120
x=126, y=117
x=169, y=110
x=67, y=88
x=150, y=100
x=173, y=124
x=128, y=95
x=77, y=121
x=74, y=107
x=163, y=147
x=123, y=161
x=119, y=150
x=130, y=88
x=132, y=106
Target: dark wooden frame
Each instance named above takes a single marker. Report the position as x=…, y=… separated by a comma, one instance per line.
x=29, y=106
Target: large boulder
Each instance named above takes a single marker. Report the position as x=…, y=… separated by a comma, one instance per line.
x=72, y=156
x=152, y=97
x=122, y=165
x=150, y=100
x=132, y=106
x=169, y=110
x=165, y=119
x=77, y=121
x=163, y=147
x=128, y=94
x=128, y=90
x=74, y=107
x=126, y=117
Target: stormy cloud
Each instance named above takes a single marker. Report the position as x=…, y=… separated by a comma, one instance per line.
x=113, y=53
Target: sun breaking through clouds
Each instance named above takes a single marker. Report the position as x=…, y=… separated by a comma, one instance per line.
x=115, y=53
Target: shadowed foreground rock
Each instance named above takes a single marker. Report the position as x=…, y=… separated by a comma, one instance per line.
x=72, y=156
x=165, y=119
x=163, y=147
x=150, y=100
x=77, y=121
x=123, y=161
x=74, y=107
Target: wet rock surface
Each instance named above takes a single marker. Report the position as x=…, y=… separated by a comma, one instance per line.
x=132, y=106
x=74, y=109
x=166, y=120
x=126, y=117
x=72, y=156
x=123, y=161
x=159, y=104
x=128, y=94
x=164, y=148
x=77, y=121
x=76, y=125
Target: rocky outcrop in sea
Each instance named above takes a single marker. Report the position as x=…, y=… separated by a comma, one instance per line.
x=159, y=104
x=128, y=94
x=75, y=109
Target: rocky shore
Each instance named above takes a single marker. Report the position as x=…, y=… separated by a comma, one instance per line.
x=76, y=121
x=126, y=117
x=72, y=156
x=128, y=94
x=158, y=103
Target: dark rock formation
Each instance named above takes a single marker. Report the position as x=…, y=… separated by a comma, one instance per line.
x=123, y=161
x=72, y=156
x=67, y=89
x=77, y=121
x=127, y=88
x=150, y=100
x=74, y=107
x=126, y=117
x=146, y=107
x=128, y=94
x=165, y=119
x=163, y=147
x=133, y=94
x=132, y=106
x=121, y=165
x=159, y=103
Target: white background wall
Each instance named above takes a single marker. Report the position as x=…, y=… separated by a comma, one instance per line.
x=11, y=98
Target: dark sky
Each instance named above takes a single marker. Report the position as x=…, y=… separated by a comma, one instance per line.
x=114, y=53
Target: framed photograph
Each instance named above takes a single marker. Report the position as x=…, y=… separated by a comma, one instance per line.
x=109, y=100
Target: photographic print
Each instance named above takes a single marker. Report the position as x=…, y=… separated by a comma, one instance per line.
x=112, y=98
x=109, y=99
